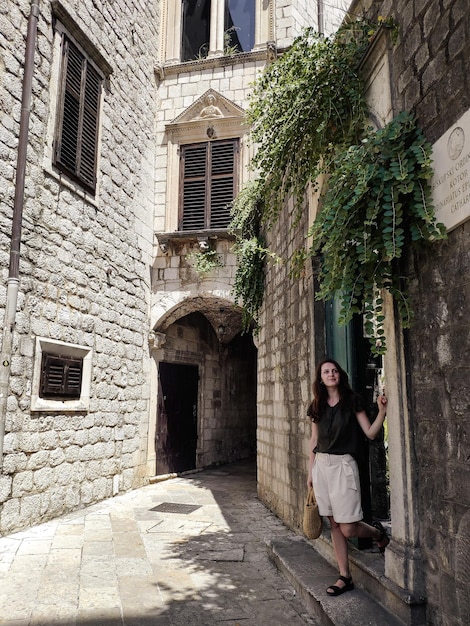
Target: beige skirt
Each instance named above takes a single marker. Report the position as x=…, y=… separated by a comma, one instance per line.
x=337, y=488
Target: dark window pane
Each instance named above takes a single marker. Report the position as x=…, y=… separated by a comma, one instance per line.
x=196, y=29
x=240, y=24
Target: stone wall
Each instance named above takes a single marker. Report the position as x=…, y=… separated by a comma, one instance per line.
x=284, y=379
x=84, y=269
x=428, y=77
x=292, y=16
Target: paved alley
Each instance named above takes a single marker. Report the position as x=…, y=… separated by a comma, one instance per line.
x=187, y=551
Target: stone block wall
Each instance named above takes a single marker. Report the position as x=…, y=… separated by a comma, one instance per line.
x=84, y=268
x=284, y=379
x=428, y=77
x=294, y=16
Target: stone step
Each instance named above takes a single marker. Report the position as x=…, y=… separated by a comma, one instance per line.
x=310, y=574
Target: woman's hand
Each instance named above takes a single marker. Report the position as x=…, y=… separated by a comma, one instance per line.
x=309, y=480
x=382, y=404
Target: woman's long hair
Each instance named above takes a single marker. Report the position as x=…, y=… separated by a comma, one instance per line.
x=320, y=394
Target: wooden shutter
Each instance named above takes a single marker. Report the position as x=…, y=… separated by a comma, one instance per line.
x=194, y=159
x=77, y=135
x=61, y=376
x=208, y=178
x=223, y=182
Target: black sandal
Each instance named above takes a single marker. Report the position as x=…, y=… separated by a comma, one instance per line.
x=383, y=536
x=337, y=591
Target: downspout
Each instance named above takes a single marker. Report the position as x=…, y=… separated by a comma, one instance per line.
x=321, y=25
x=14, y=271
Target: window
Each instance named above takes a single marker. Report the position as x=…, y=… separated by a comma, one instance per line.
x=208, y=184
x=61, y=376
x=76, y=137
x=201, y=34
x=239, y=25
x=196, y=29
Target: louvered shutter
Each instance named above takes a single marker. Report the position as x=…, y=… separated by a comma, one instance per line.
x=194, y=186
x=208, y=184
x=77, y=137
x=223, y=181
x=61, y=376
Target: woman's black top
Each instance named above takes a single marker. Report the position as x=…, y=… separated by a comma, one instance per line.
x=338, y=428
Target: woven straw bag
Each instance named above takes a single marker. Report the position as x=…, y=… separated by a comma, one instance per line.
x=312, y=523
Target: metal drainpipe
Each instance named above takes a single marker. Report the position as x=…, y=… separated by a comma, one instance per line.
x=321, y=25
x=14, y=271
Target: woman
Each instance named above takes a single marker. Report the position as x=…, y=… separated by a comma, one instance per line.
x=335, y=413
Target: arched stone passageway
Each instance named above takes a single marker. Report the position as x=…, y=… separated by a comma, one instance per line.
x=204, y=389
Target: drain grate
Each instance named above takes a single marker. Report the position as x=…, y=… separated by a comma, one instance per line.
x=175, y=507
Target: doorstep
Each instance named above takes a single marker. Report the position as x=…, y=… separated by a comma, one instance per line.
x=310, y=573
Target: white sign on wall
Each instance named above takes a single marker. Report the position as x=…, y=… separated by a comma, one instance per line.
x=451, y=180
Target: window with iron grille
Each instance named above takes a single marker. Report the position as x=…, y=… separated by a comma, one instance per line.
x=61, y=377
x=208, y=184
x=76, y=139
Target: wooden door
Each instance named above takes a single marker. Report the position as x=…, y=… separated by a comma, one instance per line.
x=176, y=432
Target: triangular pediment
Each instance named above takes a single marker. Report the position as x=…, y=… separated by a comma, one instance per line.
x=211, y=106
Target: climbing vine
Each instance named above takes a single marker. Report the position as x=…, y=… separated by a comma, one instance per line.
x=308, y=117
x=251, y=252
x=378, y=202
x=204, y=262
x=303, y=107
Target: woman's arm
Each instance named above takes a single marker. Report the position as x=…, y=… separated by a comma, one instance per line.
x=372, y=430
x=313, y=445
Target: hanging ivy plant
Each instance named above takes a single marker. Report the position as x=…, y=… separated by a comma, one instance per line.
x=204, y=262
x=378, y=202
x=251, y=252
x=303, y=107
x=305, y=103
x=308, y=116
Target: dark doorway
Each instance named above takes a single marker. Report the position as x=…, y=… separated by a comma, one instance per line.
x=351, y=348
x=176, y=433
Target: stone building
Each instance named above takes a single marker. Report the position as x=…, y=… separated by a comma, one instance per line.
x=127, y=358
x=120, y=361
x=426, y=367
x=76, y=416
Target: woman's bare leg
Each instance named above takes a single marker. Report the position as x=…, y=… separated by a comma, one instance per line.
x=340, y=546
x=361, y=530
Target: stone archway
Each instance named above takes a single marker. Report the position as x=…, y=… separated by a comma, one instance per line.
x=204, y=334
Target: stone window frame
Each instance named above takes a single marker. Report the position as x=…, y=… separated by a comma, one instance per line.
x=192, y=127
x=170, y=52
x=63, y=24
x=78, y=115
x=203, y=169
x=58, y=348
